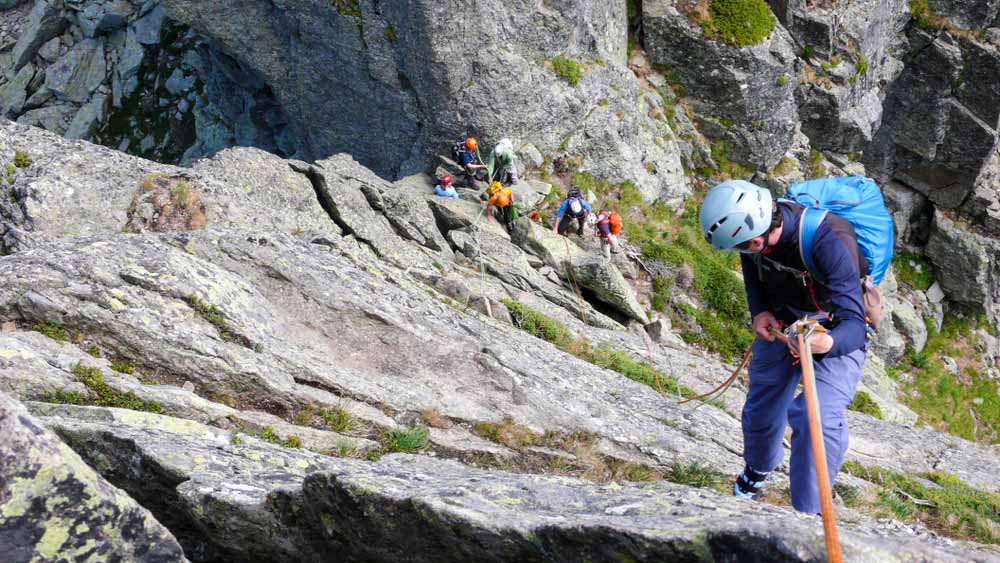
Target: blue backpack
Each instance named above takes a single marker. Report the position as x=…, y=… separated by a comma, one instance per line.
x=857, y=199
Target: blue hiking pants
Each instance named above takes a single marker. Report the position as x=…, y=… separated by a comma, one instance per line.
x=771, y=404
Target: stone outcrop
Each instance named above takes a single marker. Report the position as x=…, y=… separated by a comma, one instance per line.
x=298, y=506
x=939, y=133
x=123, y=74
x=849, y=54
x=54, y=507
x=742, y=95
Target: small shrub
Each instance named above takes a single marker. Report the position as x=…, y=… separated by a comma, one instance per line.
x=102, y=395
x=739, y=22
x=94, y=351
x=864, y=403
x=346, y=449
x=405, y=440
x=349, y=8
x=21, y=159
x=305, y=416
x=214, y=316
x=861, y=67
x=815, y=168
x=603, y=102
x=835, y=60
x=180, y=191
x=434, y=419
x=537, y=324
x=783, y=80
x=390, y=33
x=567, y=69
x=809, y=51
x=52, y=329
x=508, y=433
x=338, y=419
x=64, y=397
x=785, y=167
x=123, y=366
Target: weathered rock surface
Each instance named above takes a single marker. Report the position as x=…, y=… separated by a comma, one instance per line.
x=850, y=65
x=259, y=502
x=939, y=132
x=966, y=263
x=743, y=95
x=77, y=189
x=54, y=507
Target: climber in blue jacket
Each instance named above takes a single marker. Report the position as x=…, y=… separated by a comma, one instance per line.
x=738, y=215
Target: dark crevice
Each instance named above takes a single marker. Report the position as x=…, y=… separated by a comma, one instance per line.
x=319, y=186
x=345, y=394
x=602, y=307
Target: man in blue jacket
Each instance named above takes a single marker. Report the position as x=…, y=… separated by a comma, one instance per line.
x=574, y=207
x=738, y=215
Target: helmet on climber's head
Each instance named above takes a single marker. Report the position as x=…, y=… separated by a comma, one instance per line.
x=446, y=181
x=472, y=144
x=734, y=212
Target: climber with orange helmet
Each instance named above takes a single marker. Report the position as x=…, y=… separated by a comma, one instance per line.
x=500, y=205
x=445, y=189
x=466, y=155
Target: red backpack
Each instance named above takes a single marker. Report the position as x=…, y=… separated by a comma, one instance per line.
x=616, y=223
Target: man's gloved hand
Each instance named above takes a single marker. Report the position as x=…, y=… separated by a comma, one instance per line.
x=763, y=323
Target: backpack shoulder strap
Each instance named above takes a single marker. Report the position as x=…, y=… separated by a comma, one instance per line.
x=808, y=225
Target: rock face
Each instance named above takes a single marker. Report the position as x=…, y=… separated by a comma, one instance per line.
x=966, y=263
x=742, y=95
x=939, y=134
x=176, y=80
x=54, y=507
x=394, y=509
x=121, y=73
x=848, y=67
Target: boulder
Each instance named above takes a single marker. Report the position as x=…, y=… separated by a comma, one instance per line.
x=13, y=94
x=54, y=506
x=77, y=188
x=47, y=20
x=78, y=73
x=397, y=63
x=909, y=323
x=966, y=264
x=884, y=391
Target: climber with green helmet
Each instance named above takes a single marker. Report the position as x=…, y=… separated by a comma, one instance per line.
x=738, y=215
x=502, y=163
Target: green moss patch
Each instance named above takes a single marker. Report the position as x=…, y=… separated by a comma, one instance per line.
x=21, y=159
x=913, y=270
x=567, y=69
x=551, y=330
x=52, y=329
x=739, y=22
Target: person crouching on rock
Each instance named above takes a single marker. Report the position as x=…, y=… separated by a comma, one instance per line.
x=608, y=229
x=445, y=189
x=738, y=215
x=573, y=207
x=500, y=204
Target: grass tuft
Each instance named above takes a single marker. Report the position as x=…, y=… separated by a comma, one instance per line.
x=696, y=474
x=913, y=270
x=101, y=394
x=21, y=159
x=405, y=439
x=955, y=509
x=864, y=403
x=338, y=419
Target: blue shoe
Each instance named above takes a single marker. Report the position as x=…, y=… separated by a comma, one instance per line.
x=749, y=483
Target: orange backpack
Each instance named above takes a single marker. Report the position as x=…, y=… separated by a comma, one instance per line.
x=503, y=198
x=616, y=223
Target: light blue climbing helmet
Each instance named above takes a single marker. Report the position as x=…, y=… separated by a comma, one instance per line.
x=734, y=212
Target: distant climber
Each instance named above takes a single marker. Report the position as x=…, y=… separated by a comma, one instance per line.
x=574, y=207
x=501, y=205
x=608, y=225
x=502, y=163
x=474, y=172
x=445, y=189
x=738, y=215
